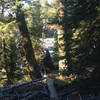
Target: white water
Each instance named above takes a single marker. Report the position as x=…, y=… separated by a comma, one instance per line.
x=48, y=44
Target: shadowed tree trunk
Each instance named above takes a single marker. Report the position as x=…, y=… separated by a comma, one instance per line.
x=5, y=62
x=33, y=67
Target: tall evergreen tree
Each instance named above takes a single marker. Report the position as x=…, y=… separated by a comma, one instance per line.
x=27, y=45
x=61, y=39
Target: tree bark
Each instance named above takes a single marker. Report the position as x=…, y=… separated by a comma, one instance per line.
x=61, y=38
x=9, y=81
x=62, y=49
x=27, y=45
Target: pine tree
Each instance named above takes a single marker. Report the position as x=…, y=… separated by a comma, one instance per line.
x=27, y=45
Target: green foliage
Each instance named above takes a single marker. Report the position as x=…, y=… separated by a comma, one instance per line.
x=87, y=85
x=80, y=21
x=34, y=20
x=12, y=57
x=9, y=52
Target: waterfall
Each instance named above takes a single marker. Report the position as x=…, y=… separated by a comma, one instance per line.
x=48, y=44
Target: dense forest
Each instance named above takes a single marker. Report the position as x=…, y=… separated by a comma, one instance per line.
x=75, y=27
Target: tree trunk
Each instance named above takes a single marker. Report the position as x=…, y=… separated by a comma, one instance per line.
x=61, y=49
x=27, y=45
x=61, y=39
x=5, y=62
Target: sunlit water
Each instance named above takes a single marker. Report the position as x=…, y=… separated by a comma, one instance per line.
x=48, y=44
